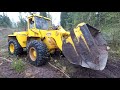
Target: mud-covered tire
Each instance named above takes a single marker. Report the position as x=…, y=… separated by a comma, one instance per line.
x=42, y=55
x=18, y=50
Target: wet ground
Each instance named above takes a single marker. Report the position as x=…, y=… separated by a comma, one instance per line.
x=6, y=71
x=112, y=69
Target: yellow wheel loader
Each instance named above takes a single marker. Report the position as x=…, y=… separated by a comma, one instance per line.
x=84, y=45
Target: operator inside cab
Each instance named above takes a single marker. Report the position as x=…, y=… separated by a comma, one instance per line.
x=31, y=23
x=42, y=23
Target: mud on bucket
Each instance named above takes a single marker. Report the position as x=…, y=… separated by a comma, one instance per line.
x=89, y=49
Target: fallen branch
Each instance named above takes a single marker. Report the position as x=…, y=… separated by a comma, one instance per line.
x=59, y=70
x=5, y=59
x=3, y=46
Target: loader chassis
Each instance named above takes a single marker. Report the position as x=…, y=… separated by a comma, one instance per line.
x=81, y=46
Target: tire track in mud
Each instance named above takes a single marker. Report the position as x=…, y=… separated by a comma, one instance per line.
x=6, y=71
x=112, y=70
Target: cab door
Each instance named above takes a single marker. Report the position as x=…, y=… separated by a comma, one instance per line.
x=33, y=32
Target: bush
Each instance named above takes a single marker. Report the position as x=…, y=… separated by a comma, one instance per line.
x=18, y=65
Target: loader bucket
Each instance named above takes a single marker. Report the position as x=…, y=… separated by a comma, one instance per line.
x=86, y=47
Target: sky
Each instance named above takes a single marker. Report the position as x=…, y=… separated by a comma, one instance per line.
x=14, y=16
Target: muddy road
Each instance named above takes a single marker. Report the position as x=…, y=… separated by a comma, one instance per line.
x=6, y=71
x=112, y=70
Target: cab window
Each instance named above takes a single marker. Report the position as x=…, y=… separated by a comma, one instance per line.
x=42, y=23
x=31, y=23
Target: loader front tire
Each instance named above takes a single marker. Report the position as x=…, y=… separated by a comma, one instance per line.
x=37, y=53
x=14, y=47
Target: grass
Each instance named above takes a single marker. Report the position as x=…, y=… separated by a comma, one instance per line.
x=18, y=65
x=114, y=53
x=111, y=34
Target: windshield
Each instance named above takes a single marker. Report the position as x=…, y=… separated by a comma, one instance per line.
x=42, y=23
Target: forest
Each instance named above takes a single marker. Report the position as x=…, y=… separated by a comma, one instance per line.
x=107, y=22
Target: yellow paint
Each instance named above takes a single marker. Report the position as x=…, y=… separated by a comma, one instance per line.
x=21, y=37
x=50, y=42
x=52, y=38
x=79, y=34
x=12, y=48
x=38, y=16
x=69, y=40
x=33, y=54
x=11, y=35
x=80, y=24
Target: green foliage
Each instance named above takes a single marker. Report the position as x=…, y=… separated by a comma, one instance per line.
x=107, y=22
x=43, y=14
x=22, y=23
x=18, y=65
x=63, y=17
x=5, y=21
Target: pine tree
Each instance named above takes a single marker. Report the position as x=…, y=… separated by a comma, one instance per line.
x=5, y=21
x=22, y=23
x=43, y=14
x=63, y=18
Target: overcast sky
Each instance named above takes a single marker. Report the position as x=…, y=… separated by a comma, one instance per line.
x=14, y=16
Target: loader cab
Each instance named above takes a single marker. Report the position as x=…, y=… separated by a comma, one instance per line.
x=39, y=22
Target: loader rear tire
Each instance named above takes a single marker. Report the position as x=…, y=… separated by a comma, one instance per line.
x=37, y=53
x=14, y=47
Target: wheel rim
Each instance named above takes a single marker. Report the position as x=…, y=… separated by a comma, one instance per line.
x=33, y=53
x=12, y=48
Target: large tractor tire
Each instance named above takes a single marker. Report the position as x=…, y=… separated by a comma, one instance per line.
x=14, y=47
x=37, y=53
